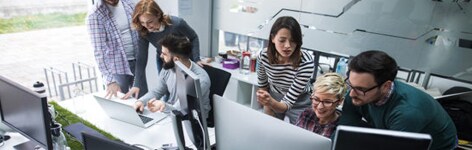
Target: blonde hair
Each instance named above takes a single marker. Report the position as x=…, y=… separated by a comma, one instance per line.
x=331, y=83
x=149, y=7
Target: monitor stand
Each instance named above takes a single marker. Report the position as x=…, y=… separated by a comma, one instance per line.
x=177, y=118
x=28, y=145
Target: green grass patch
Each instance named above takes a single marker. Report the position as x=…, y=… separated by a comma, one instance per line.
x=66, y=118
x=43, y=21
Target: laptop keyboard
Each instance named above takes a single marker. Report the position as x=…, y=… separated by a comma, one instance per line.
x=145, y=119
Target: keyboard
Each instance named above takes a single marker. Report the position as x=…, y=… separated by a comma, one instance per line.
x=145, y=119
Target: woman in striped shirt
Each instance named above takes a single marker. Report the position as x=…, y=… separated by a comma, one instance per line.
x=284, y=71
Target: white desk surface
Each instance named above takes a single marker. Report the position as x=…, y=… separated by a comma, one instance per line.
x=250, y=78
x=16, y=138
x=153, y=137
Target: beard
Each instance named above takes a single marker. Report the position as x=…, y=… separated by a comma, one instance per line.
x=356, y=101
x=112, y=2
x=168, y=65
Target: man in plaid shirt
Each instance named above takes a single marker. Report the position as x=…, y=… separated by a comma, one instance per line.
x=114, y=43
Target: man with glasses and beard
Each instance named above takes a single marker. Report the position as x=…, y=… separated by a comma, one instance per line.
x=174, y=48
x=376, y=100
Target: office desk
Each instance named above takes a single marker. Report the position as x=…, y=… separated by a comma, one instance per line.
x=241, y=87
x=16, y=138
x=153, y=137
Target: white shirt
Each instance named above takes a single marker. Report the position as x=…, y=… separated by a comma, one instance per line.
x=123, y=25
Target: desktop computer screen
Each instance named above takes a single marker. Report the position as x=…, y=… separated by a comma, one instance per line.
x=26, y=112
x=189, y=97
x=240, y=127
x=348, y=138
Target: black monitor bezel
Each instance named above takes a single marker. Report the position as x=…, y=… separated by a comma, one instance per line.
x=356, y=139
x=45, y=112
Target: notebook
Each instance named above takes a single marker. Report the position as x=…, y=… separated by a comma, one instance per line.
x=76, y=130
x=92, y=142
x=123, y=110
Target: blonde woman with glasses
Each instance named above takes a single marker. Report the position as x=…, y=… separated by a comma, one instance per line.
x=322, y=117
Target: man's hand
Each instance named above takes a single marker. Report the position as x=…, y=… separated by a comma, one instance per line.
x=139, y=107
x=112, y=90
x=156, y=105
x=133, y=90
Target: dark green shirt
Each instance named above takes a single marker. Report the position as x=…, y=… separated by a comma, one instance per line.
x=408, y=109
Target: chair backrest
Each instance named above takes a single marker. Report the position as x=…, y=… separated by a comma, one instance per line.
x=456, y=89
x=219, y=79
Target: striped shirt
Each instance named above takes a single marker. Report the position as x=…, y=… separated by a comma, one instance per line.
x=106, y=40
x=285, y=79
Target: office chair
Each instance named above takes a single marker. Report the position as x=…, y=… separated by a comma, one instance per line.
x=456, y=89
x=219, y=79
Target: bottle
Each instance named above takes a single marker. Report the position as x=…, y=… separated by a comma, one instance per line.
x=39, y=88
x=59, y=141
x=341, y=67
x=253, y=64
x=78, y=101
x=52, y=112
x=245, y=62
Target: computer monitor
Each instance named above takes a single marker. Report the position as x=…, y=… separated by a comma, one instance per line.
x=240, y=127
x=26, y=112
x=93, y=142
x=348, y=138
x=189, y=97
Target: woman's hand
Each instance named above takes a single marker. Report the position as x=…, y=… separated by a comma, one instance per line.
x=264, y=98
x=204, y=62
x=133, y=90
x=269, y=103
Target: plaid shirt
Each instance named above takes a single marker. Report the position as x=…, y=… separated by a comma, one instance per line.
x=308, y=120
x=106, y=40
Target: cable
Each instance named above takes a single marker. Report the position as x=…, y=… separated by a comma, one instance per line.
x=62, y=117
x=195, y=115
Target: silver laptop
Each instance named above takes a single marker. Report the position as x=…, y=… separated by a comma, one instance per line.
x=119, y=110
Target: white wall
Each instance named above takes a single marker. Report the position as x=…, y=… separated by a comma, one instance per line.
x=402, y=28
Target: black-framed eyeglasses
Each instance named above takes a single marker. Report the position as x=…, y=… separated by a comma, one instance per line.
x=326, y=103
x=359, y=90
